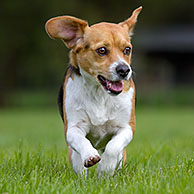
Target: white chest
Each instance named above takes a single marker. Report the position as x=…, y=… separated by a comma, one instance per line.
x=102, y=113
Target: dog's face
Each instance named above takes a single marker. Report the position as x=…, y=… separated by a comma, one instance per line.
x=102, y=51
x=106, y=55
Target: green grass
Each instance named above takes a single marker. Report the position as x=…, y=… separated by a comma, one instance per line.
x=33, y=155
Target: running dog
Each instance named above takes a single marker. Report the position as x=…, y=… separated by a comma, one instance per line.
x=97, y=98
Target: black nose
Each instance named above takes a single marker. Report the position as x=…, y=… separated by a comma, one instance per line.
x=122, y=70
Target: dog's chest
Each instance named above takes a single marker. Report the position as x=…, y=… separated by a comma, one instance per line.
x=104, y=114
x=106, y=117
x=101, y=109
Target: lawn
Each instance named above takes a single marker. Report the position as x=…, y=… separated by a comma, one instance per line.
x=33, y=155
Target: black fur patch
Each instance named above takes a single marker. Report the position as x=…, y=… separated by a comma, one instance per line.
x=60, y=102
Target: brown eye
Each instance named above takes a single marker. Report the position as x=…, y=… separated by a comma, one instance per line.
x=102, y=51
x=127, y=51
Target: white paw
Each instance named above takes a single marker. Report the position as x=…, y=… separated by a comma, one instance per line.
x=109, y=163
x=107, y=166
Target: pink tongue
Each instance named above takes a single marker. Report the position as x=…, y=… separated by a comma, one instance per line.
x=114, y=86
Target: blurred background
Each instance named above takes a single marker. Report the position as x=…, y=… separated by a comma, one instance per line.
x=32, y=65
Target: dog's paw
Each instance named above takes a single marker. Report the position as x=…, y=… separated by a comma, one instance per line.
x=92, y=160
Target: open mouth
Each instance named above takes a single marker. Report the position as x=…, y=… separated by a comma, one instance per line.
x=112, y=87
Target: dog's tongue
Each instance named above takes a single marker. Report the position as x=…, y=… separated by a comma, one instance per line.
x=114, y=86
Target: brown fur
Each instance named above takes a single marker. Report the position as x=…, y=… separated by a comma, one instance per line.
x=114, y=37
x=124, y=156
x=84, y=40
x=132, y=121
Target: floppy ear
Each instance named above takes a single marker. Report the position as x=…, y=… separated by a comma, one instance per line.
x=130, y=22
x=67, y=28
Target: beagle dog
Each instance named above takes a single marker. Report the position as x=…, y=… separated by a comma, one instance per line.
x=97, y=98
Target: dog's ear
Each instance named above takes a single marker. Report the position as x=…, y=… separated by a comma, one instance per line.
x=67, y=28
x=130, y=22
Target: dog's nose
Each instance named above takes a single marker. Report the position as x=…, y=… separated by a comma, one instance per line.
x=122, y=70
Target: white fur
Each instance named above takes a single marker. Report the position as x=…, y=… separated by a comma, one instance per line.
x=103, y=118
x=77, y=164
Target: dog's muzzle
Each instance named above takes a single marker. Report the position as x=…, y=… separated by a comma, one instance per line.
x=112, y=87
x=122, y=72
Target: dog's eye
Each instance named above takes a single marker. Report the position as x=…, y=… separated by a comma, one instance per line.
x=127, y=51
x=102, y=51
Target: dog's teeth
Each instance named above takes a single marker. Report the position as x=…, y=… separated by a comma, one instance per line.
x=109, y=85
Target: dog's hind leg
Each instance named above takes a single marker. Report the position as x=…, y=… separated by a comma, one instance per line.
x=124, y=156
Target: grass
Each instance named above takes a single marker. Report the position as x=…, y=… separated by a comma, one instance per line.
x=33, y=155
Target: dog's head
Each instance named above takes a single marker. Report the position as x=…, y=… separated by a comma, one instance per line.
x=101, y=51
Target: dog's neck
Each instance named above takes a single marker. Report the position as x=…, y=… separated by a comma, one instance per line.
x=88, y=80
x=74, y=69
x=73, y=62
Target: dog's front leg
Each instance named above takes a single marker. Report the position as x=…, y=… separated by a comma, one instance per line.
x=113, y=153
x=79, y=143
